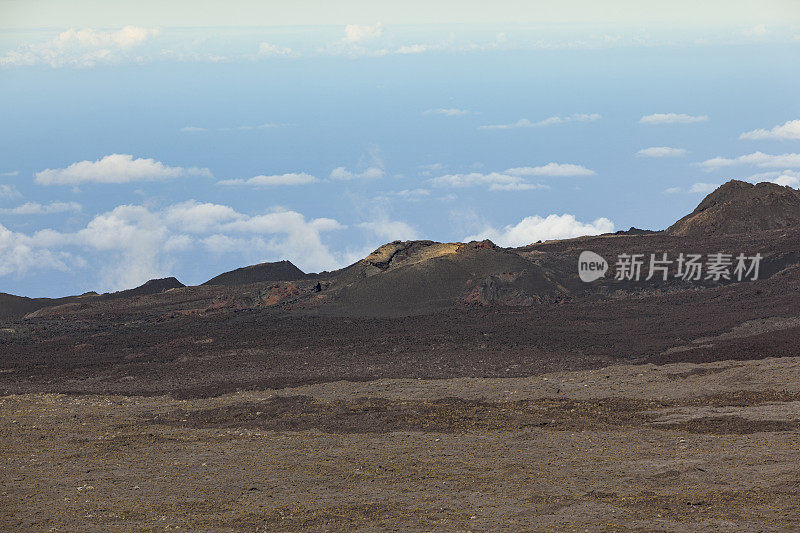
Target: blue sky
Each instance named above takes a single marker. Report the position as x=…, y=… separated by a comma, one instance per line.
x=134, y=149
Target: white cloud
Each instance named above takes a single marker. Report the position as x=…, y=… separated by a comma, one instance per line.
x=136, y=240
x=379, y=226
x=272, y=50
x=552, y=169
x=172, y=55
x=513, y=178
x=280, y=220
x=789, y=130
x=195, y=217
x=390, y=230
x=20, y=254
x=672, y=118
x=497, y=181
x=536, y=228
x=34, y=208
x=788, y=180
x=125, y=38
x=131, y=244
x=661, y=151
x=80, y=48
x=265, y=126
x=341, y=173
x=9, y=191
x=10, y=173
x=90, y=47
x=115, y=168
x=449, y=112
x=413, y=194
x=281, y=233
x=193, y=129
x=703, y=187
x=355, y=33
x=412, y=49
x=274, y=180
x=699, y=187
x=244, y=127
x=756, y=31
x=525, y=123
x=428, y=170
x=758, y=159
x=784, y=177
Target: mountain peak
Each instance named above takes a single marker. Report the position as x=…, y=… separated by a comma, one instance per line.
x=742, y=207
x=262, y=272
x=153, y=286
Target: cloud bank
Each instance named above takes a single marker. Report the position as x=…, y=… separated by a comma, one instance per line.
x=513, y=178
x=131, y=243
x=661, y=151
x=788, y=130
x=9, y=191
x=274, y=180
x=341, y=173
x=758, y=159
x=450, y=112
x=355, y=33
x=672, y=118
x=116, y=168
x=525, y=123
x=35, y=208
x=700, y=187
x=790, y=178
x=497, y=181
x=552, y=169
x=81, y=48
x=273, y=50
x=536, y=228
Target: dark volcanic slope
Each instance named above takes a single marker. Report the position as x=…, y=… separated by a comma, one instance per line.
x=418, y=309
x=209, y=340
x=421, y=276
x=740, y=207
x=263, y=272
x=11, y=305
x=154, y=286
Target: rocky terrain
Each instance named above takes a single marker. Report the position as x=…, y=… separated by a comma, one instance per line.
x=678, y=447
x=741, y=207
x=432, y=386
x=280, y=271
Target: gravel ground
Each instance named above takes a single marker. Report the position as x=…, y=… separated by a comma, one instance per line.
x=703, y=447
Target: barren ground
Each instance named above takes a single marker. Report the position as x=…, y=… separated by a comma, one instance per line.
x=705, y=447
x=659, y=406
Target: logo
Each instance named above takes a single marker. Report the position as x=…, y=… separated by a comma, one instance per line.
x=591, y=266
x=715, y=267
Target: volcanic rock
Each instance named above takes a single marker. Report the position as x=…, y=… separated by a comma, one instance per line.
x=741, y=207
x=154, y=286
x=418, y=276
x=263, y=272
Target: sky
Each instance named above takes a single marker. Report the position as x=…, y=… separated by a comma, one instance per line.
x=152, y=139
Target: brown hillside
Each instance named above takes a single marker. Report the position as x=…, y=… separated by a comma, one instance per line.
x=263, y=272
x=740, y=207
x=418, y=276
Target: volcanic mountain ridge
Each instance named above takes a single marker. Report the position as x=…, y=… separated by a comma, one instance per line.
x=411, y=277
x=741, y=207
